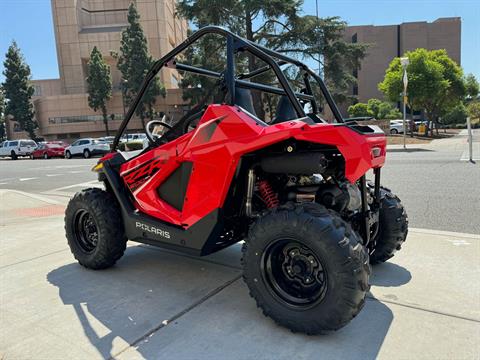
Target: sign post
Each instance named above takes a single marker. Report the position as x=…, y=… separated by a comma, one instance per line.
x=470, y=140
x=404, y=61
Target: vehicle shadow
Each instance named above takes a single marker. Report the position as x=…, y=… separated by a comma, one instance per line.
x=149, y=286
x=389, y=275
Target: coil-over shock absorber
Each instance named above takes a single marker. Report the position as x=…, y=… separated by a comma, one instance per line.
x=268, y=195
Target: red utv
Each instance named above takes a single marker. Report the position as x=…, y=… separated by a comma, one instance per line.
x=291, y=184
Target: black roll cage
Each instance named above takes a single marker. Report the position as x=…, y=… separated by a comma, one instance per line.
x=236, y=43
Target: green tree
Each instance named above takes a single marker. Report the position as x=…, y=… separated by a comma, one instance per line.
x=473, y=109
x=278, y=24
x=457, y=115
x=99, y=85
x=134, y=62
x=359, y=110
x=472, y=88
x=2, y=116
x=435, y=82
x=18, y=90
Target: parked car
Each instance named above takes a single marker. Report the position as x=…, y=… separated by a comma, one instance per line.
x=396, y=127
x=133, y=137
x=87, y=148
x=48, y=150
x=16, y=148
x=107, y=139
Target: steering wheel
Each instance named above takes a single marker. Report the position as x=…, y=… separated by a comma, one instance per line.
x=154, y=134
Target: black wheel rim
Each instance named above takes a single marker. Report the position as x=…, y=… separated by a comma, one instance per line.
x=294, y=274
x=86, y=231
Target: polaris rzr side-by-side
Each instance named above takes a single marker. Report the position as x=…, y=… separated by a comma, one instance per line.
x=290, y=183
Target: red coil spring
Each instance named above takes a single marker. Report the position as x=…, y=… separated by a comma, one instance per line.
x=267, y=194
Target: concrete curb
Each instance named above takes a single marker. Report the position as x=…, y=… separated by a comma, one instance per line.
x=445, y=233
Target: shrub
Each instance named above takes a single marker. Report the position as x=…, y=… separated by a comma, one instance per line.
x=359, y=109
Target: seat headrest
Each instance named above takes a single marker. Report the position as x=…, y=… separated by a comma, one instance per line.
x=243, y=98
x=285, y=110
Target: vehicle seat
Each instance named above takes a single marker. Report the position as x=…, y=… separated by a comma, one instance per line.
x=243, y=98
x=285, y=111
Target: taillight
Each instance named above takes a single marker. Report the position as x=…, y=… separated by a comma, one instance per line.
x=376, y=151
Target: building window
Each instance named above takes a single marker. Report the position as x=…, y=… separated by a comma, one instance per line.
x=355, y=89
x=37, y=90
x=174, y=81
x=84, y=118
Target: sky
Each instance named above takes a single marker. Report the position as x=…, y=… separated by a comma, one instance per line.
x=29, y=23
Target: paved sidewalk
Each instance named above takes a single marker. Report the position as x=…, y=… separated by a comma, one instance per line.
x=154, y=303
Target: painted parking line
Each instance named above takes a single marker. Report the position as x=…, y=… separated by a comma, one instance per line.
x=27, y=179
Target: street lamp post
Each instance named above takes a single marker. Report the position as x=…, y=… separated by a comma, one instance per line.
x=404, y=61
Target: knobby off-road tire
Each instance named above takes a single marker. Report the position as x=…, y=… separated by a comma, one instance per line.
x=393, y=227
x=94, y=229
x=333, y=244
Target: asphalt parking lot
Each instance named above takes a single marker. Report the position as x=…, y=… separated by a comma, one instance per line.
x=424, y=303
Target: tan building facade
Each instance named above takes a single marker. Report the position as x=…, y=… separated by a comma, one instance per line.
x=61, y=105
x=390, y=41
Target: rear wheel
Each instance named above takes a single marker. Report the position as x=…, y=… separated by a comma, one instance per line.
x=94, y=229
x=306, y=268
x=86, y=153
x=393, y=227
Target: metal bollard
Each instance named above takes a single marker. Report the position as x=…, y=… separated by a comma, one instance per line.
x=470, y=140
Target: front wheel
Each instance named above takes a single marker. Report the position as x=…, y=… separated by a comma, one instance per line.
x=45, y=156
x=393, y=131
x=393, y=227
x=94, y=228
x=306, y=268
x=13, y=155
x=68, y=154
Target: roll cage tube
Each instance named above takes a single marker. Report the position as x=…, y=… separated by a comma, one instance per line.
x=236, y=43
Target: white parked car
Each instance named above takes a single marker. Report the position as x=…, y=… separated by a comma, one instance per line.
x=16, y=148
x=133, y=137
x=87, y=148
x=396, y=127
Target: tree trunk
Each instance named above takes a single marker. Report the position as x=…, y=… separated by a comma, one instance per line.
x=105, y=120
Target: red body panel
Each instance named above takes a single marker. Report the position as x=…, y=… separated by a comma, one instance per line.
x=224, y=134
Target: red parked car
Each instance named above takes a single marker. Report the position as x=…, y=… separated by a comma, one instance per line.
x=49, y=150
